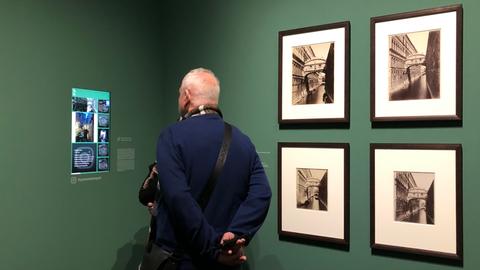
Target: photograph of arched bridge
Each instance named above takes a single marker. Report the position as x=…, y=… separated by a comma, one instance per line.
x=313, y=73
x=414, y=197
x=312, y=189
x=414, y=65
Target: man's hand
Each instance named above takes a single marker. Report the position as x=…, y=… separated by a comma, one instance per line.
x=234, y=255
x=152, y=208
x=151, y=176
x=154, y=171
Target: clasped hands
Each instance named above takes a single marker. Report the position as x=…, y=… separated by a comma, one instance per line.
x=234, y=255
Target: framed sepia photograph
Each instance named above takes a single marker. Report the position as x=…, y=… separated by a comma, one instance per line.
x=313, y=191
x=314, y=74
x=416, y=199
x=416, y=65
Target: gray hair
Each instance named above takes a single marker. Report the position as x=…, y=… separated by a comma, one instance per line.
x=203, y=83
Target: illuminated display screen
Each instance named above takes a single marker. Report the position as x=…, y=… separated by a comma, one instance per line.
x=90, y=131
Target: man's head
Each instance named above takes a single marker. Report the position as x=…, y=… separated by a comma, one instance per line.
x=199, y=87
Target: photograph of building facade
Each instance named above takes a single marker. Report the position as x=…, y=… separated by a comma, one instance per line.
x=414, y=65
x=414, y=197
x=312, y=187
x=313, y=74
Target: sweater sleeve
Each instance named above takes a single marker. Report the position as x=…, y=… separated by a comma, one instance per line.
x=197, y=234
x=253, y=210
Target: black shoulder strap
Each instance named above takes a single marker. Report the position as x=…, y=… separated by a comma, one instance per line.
x=222, y=156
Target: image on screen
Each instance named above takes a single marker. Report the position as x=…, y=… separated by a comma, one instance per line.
x=102, y=149
x=103, y=120
x=104, y=106
x=103, y=135
x=83, y=157
x=84, y=127
x=103, y=164
x=79, y=104
x=90, y=131
x=83, y=104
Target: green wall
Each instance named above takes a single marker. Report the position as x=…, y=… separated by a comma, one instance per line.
x=238, y=40
x=139, y=50
x=46, y=48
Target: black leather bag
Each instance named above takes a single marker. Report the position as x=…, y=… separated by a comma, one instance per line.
x=155, y=258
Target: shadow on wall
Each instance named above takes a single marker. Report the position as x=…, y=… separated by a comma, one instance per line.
x=255, y=262
x=130, y=254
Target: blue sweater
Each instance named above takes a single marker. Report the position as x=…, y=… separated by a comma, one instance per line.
x=186, y=154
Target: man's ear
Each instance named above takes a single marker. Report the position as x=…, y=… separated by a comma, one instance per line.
x=188, y=94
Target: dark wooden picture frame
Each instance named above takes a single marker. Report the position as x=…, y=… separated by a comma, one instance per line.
x=416, y=65
x=334, y=160
x=305, y=72
x=399, y=218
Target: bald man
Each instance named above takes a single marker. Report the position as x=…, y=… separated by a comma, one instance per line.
x=186, y=154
